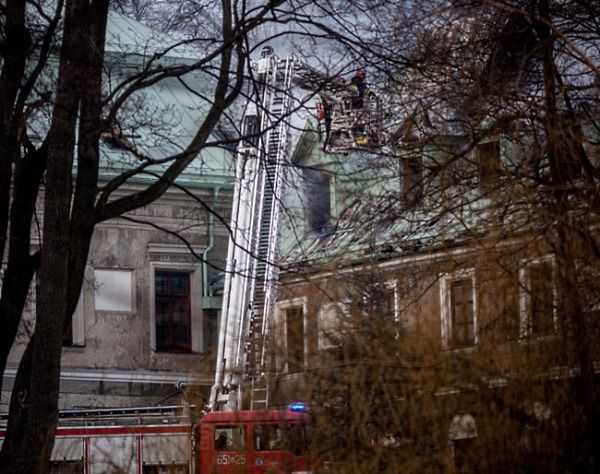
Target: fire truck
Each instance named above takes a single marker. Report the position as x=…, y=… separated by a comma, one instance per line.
x=240, y=431
x=164, y=440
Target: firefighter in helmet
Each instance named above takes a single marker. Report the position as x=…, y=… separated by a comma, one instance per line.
x=360, y=129
x=359, y=88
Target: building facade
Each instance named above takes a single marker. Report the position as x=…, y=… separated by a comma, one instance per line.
x=432, y=308
x=146, y=325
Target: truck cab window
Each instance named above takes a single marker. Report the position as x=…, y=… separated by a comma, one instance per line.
x=230, y=438
x=277, y=437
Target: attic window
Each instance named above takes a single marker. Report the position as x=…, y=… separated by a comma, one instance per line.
x=488, y=158
x=115, y=138
x=412, y=181
x=318, y=194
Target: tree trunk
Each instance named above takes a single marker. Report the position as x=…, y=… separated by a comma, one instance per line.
x=21, y=266
x=34, y=403
x=15, y=46
x=71, y=212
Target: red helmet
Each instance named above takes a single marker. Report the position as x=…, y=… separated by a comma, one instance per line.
x=361, y=73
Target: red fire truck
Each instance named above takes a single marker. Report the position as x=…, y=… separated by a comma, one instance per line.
x=254, y=442
x=163, y=440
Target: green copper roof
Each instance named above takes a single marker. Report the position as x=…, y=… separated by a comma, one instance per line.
x=162, y=119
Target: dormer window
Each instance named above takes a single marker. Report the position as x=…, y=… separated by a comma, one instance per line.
x=488, y=162
x=412, y=180
x=318, y=195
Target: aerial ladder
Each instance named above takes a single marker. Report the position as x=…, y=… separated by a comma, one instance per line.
x=263, y=157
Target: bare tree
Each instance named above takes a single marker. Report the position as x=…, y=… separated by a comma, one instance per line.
x=37, y=162
x=481, y=212
x=188, y=18
x=492, y=126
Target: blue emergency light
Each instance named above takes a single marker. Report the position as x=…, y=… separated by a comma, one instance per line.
x=297, y=406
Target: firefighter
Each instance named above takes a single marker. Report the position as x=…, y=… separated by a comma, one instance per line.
x=359, y=88
x=360, y=91
x=324, y=114
x=222, y=441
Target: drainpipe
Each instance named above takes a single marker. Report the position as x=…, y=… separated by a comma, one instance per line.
x=211, y=243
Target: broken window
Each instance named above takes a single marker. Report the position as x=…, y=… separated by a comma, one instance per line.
x=488, y=161
x=412, y=180
x=318, y=194
x=251, y=129
x=172, y=311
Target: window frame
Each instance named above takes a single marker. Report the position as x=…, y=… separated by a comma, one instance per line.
x=221, y=428
x=85, y=305
x=287, y=441
x=413, y=178
x=186, y=297
x=77, y=326
x=294, y=364
x=344, y=308
x=462, y=437
x=488, y=174
x=526, y=330
x=258, y=437
x=196, y=312
x=281, y=308
x=446, y=281
x=393, y=286
x=133, y=279
x=387, y=286
x=310, y=184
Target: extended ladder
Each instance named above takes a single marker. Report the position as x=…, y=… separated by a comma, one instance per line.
x=250, y=282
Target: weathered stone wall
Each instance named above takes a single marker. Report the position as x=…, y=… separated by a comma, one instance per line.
x=113, y=361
